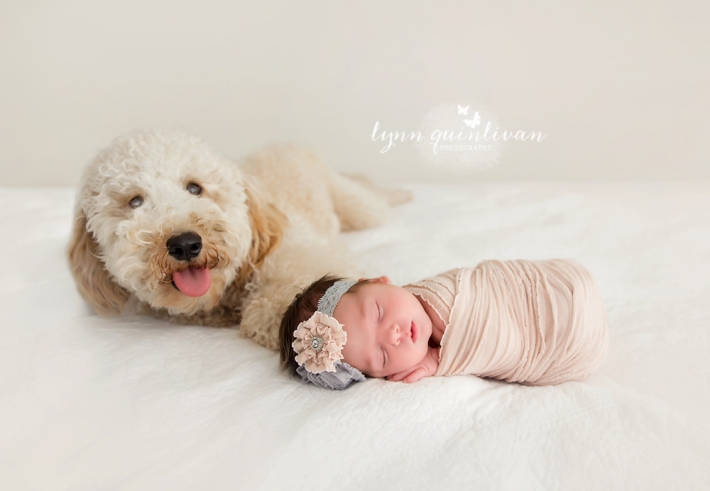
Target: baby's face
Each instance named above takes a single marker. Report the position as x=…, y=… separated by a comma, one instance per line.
x=388, y=329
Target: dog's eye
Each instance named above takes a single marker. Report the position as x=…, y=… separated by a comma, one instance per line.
x=136, y=202
x=193, y=188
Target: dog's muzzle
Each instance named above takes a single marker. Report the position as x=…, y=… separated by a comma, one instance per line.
x=193, y=281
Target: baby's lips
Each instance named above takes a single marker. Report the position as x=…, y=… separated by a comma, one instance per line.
x=193, y=282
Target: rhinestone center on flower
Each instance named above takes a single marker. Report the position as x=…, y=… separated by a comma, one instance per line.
x=317, y=343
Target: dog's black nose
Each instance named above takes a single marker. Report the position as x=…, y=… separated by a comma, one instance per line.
x=185, y=246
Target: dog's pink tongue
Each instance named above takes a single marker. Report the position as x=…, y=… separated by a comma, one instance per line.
x=193, y=282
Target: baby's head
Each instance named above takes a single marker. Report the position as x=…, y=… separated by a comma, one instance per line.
x=386, y=326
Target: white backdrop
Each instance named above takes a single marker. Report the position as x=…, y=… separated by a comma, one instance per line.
x=620, y=89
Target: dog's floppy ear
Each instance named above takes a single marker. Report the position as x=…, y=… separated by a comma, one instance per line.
x=267, y=227
x=92, y=279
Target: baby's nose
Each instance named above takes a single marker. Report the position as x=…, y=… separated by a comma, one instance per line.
x=395, y=334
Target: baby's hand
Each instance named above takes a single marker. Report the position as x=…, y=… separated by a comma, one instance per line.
x=425, y=368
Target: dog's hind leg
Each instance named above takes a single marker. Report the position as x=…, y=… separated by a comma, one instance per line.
x=361, y=204
x=294, y=179
x=394, y=196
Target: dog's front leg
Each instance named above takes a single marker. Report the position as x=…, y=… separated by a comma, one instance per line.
x=302, y=258
x=262, y=311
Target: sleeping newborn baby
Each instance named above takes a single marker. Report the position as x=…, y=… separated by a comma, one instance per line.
x=531, y=322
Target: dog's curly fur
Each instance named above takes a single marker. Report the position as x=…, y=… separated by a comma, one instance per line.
x=269, y=227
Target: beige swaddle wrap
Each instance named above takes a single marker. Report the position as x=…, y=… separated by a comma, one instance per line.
x=533, y=322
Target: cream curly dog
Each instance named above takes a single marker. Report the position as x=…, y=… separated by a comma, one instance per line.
x=166, y=225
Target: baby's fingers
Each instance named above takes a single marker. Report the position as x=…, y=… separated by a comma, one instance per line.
x=397, y=377
x=417, y=374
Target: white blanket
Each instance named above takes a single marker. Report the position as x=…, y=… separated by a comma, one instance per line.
x=90, y=403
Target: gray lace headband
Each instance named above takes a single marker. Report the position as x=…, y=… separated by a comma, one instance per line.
x=332, y=295
x=319, y=343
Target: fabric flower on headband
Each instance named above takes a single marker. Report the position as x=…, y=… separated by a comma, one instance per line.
x=319, y=343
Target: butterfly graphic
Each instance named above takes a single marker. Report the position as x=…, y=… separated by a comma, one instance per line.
x=472, y=123
x=463, y=110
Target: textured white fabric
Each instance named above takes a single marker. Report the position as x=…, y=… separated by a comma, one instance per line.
x=91, y=403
